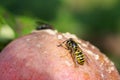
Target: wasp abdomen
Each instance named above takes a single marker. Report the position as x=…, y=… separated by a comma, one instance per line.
x=80, y=58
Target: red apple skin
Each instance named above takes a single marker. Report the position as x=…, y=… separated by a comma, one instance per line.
x=37, y=57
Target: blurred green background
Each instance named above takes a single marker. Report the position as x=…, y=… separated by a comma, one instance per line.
x=97, y=21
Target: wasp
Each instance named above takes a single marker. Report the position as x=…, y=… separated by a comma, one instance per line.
x=44, y=26
x=75, y=51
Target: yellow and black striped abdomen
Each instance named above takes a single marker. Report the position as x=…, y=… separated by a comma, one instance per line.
x=79, y=56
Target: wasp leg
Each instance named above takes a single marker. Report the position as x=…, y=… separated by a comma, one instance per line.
x=63, y=45
x=74, y=61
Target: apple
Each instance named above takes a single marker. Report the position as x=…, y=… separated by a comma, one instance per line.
x=37, y=56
